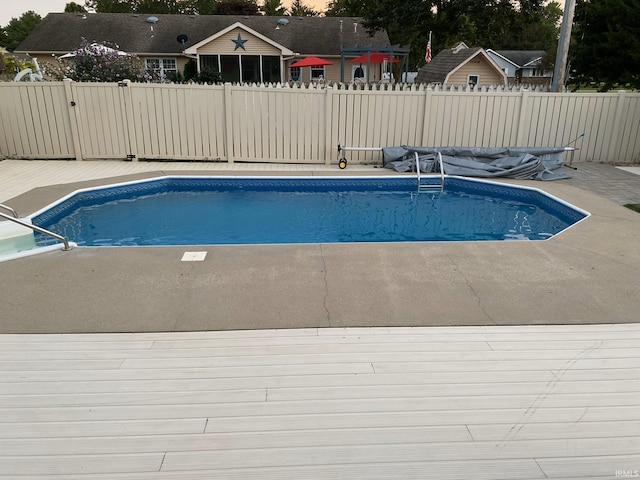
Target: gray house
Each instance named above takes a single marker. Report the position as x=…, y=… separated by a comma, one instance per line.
x=522, y=66
x=242, y=48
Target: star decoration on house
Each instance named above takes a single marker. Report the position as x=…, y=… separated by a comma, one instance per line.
x=239, y=43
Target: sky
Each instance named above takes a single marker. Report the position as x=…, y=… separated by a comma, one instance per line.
x=15, y=8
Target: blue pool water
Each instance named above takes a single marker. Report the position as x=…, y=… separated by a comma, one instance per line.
x=232, y=210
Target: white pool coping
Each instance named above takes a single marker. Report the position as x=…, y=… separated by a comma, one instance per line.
x=635, y=170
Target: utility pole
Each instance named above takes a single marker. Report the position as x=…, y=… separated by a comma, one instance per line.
x=562, y=54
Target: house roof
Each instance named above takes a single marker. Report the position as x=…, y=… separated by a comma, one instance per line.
x=444, y=63
x=62, y=32
x=520, y=58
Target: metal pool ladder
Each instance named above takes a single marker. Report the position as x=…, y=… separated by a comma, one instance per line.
x=429, y=187
x=15, y=218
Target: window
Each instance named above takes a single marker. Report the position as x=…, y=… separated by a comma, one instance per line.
x=153, y=64
x=473, y=80
x=270, y=69
x=242, y=68
x=164, y=68
x=210, y=63
x=317, y=73
x=230, y=68
x=250, y=68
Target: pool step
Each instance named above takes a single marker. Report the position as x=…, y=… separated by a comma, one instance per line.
x=430, y=187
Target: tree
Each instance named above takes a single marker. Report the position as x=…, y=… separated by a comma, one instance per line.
x=110, y=6
x=497, y=24
x=19, y=28
x=99, y=63
x=165, y=6
x=407, y=23
x=238, y=7
x=346, y=8
x=605, y=47
x=298, y=9
x=273, y=8
x=190, y=70
x=73, y=7
x=200, y=7
x=12, y=64
x=203, y=7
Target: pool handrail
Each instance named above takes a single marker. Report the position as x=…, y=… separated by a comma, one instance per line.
x=44, y=231
x=422, y=187
x=9, y=209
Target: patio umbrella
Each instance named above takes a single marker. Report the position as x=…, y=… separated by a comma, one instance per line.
x=374, y=57
x=98, y=48
x=311, y=62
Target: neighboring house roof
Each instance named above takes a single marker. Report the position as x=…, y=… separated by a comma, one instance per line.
x=520, y=58
x=62, y=32
x=448, y=61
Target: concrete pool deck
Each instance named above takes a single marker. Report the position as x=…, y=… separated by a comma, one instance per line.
x=501, y=393
x=587, y=274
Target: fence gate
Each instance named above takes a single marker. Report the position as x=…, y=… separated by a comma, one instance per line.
x=102, y=124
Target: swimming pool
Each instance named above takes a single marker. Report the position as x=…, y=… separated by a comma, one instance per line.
x=283, y=210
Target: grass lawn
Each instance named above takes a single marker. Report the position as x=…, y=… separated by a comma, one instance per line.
x=633, y=206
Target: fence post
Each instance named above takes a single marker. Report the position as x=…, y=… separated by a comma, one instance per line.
x=128, y=115
x=524, y=110
x=428, y=99
x=615, y=145
x=228, y=122
x=73, y=118
x=523, y=126
x=327, y=122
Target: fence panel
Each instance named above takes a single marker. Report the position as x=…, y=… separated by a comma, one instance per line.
x=378, y=117
x=184, y=123
x=551, y=121
x=278, y=124
x=300, y=124
x=35, y=121
x=629, y=145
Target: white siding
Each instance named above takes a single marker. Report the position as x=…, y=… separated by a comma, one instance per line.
x=224, y=45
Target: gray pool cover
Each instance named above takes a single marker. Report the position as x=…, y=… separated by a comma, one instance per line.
x=533, y=163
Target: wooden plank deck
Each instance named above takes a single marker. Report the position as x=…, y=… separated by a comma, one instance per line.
x=531, y=402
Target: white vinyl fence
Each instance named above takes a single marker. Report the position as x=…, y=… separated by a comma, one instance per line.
x=299, y=124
